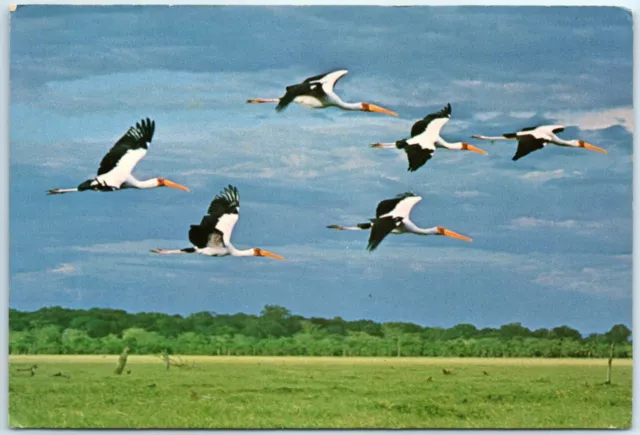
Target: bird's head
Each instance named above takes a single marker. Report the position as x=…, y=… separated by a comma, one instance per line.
x=469, y=147
x=257, y=252
x=168, y=183
x=368, y=107
x=445, y=232
x=583, y=144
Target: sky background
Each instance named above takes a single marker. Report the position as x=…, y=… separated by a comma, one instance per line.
x=552, y=232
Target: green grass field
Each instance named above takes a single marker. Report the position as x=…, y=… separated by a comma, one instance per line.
x=293, y=392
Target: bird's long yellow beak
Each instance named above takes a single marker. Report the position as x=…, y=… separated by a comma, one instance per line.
x=168, y=183
x=264, y=253
x=449, y=233
x=593, y=148
x=373, y=108
x=469, y=147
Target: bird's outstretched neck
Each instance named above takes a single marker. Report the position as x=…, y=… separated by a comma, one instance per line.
x=262, y=100
x=60, y=191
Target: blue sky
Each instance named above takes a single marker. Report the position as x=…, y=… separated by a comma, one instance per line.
x=552, y=232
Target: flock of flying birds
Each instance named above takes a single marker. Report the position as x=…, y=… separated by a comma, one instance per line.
x=212, y=237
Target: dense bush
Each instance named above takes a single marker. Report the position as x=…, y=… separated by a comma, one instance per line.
x=275, y=331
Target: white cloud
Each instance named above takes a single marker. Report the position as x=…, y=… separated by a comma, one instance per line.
x=65, y=269
x=522, y=115
x=611, y=282
x=526, y=222
x=468, y=193
x=543, y=176
x=597, y=120
x=486, y=116
x=508, y=87
x=128, y=247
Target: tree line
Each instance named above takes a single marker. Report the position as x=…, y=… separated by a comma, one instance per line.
x=275, y=331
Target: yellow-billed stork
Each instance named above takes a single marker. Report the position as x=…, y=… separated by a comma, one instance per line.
x=425, y=138
x=116, y=166
x=317, y=93
x=213, y=236
x=392, y=216
x=531, y=139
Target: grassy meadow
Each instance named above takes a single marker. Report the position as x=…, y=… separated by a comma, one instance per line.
x=297, y=392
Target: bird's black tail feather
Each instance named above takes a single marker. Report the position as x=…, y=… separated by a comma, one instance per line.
x=401, y=144
x=86, y=185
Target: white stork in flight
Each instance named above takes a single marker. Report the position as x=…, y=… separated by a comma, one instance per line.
x=213, y=236
x=116, y=166
x=317, y=93
x=392, y=216
x=531, y=139
x=425, y=138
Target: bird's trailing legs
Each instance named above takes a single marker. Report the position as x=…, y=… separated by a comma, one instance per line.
x=173, y=251
x=358, y=227
x=492, y=138
x=262, y=100
x=60, y=191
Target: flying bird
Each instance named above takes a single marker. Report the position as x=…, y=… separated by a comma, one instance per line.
x=116, y=166
x=213, y=236
x=425, y=138
x=317, y=93
x=531, y=139
x=392, y=216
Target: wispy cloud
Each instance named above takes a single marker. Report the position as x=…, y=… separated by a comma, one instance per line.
x=544, y=176
x=597, y=119
x=526, y=222
x=609, y=282
x=468, y=193
x=126, y=247
x=523, y=115
x=65, y=269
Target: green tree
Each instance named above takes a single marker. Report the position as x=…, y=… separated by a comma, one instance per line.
x=47, y=339
x=618, y=334
x=75, y=341
x=565, y=332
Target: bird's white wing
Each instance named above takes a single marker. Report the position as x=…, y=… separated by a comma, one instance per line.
x=225, y=225
x=116, y=166
x=330, y=80
x=123, y=168
x=217, y=225
x=432, y=133
x=544, y=132
x=403, y=209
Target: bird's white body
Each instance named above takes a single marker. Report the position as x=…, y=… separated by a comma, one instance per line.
x=310, y=102
x=122, y=171
x=430, y=138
